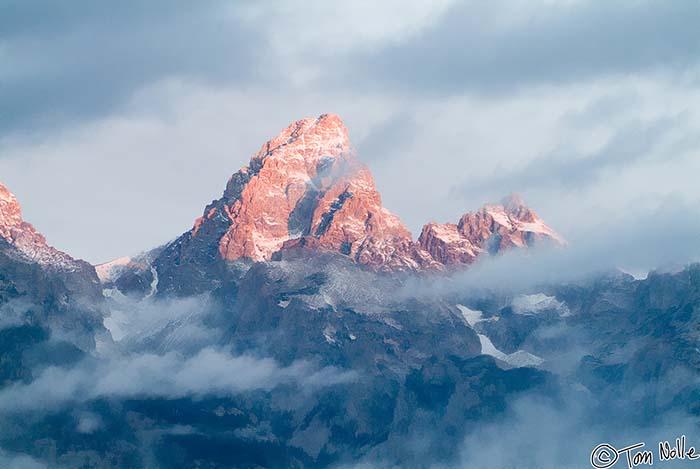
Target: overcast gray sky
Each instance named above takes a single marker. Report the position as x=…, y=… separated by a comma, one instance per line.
x=120, y=121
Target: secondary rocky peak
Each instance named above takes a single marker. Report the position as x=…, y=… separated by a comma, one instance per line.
x=492, y=229
x=26, y=241
x=447, y=245
x=10, y=213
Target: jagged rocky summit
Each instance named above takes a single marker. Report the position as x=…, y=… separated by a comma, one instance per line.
x=493, y=229
x=26, y=242
x=307, y=190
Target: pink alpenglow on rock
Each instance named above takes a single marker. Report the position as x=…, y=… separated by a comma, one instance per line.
x=306, y=189
x=287, y=168
x=26, y=241
x=493, y=229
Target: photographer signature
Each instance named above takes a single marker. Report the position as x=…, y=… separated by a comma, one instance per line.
x=606, y=455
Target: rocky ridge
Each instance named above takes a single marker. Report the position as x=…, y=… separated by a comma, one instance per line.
x=491, y=230
x=46, y=296
x=27, y=242
x=306, y=189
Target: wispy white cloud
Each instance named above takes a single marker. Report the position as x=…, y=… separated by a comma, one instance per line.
x=19, y=461
x=210, y=372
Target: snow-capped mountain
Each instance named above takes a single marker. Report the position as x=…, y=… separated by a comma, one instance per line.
x=306, y=190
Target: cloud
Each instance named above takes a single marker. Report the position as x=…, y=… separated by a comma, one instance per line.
x=14, y=313
x=183, y=324
x=632, y=144
x=542, y=434
x=170, y=348
x=19, y=461
x=83, y=61
x=210, y=372
x=496, y=47
x=88, y=422
x=64, y=62
x=69, y=63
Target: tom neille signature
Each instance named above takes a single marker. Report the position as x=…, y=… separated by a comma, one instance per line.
x=605, y=455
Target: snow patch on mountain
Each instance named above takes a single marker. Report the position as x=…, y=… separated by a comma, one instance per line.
x=538, y=303
x=471, y=316
x=109, y=271
x=518, y=359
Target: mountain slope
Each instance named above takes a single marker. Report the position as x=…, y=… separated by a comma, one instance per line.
x=43, y=288
x=306, y=190
x=298, y=282
x=306, y=187
x=30, y=244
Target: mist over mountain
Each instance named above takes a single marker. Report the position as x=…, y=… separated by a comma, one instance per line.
x=299, y=323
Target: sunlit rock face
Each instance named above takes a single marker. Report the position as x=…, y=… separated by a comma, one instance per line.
x=447, y=245
x=307, y=192
x=26, y=241
x=306, y=188
x=287, y=179
x=493, y=229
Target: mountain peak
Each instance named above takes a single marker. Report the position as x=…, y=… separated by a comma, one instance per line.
x=491, y=230
x=25, y=240
x=310, y=139
x=306, y=188
x=10, y=212
x=305, y=191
